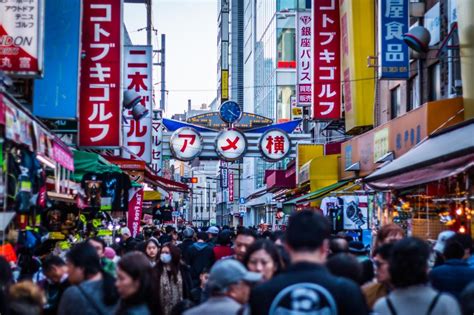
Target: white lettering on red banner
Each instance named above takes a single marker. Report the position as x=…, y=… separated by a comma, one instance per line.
x=157, y=142
x=99, y=107
x=327, y=64
x=21, y=42
x=138, y=78
x=186, y=144
x=135, y=206
x=304, y=63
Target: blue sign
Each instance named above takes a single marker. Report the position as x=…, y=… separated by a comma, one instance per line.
x=56, y=95
x=242, y=200
x=394, y=58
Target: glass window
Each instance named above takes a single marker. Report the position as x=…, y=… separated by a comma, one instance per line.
x=413, y=96
x=286, y=48
x=283, y=102
x=285, y=5
x=395, y=99
x=435, y=82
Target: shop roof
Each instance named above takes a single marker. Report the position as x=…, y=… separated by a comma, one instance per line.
x=317, y=193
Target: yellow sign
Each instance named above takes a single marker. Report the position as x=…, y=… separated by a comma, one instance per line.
x=357, y=35
x=380, y=143
x=297, y=111
x=224, y=85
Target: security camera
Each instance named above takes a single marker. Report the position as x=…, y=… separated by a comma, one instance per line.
x=418, y=38
x=131, y=101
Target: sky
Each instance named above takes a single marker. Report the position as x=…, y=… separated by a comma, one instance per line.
x=191, y=49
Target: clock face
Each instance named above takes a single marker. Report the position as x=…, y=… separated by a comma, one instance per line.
x=230, y=112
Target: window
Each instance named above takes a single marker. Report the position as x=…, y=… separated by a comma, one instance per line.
x=284, y=102
x=435, y=82
x=286, y=5
x=286, y=48
x=413, y=96
x=395, y=99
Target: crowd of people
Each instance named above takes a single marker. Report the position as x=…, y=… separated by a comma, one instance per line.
x=221, y=270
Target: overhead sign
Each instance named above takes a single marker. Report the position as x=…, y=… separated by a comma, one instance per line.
x=304, y=65
x=231, y=145
x=157, y=142
x=100, y=89
x=56, y=94
x=138, y=78
x=394, y=55
x=275, y=145
x=21, y=37
x=186, y=144
x=327, y=61
x=213, y=121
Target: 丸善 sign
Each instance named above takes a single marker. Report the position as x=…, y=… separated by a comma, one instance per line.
x=21, y=37
x=100, y=86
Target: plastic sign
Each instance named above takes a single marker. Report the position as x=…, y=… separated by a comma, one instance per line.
x=231, y=145
x=186, y=144
x=100, y=86
x=274, y=145
x=304, y=64
x=21, y=37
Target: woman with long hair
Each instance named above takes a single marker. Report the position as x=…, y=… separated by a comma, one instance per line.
x=263, y=257
x=172, y=277
x=134, y=285
x=152, y=247
x=93, y=290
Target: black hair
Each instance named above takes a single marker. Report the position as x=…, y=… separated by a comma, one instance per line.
x=182, y=307
x=269, y=247
x=279, y=235
x=408, y=264
x=464, y=239
x=247, y=232
x=85, y=256
x=307, y=231
x=202, y=236
x=98, y=240
x=169, y=229
x=6, y=275
x=453, y=249
x=384, y=251
x=224, y=238
x=52, y=260
x=136, y=265
x=336, y=246
x=346, y=266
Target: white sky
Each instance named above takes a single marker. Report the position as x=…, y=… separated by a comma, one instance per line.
x=191, y=43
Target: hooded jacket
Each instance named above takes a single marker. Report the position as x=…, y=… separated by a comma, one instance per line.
x=200, y=256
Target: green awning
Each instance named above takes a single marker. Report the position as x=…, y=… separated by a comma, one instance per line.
x=86, y=162
x=316, y=194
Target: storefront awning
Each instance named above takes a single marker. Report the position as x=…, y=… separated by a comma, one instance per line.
x=85, y=162
x=442, y=155
x=316, y=194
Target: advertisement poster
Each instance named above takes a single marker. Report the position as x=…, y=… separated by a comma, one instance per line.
x=135, y=206
x=355, y=212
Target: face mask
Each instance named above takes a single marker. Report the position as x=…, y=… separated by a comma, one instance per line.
x=165, y=258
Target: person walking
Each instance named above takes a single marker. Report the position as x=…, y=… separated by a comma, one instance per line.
x=172, y=277
x=134, y=285
x=200, y=257
x=99, y=244
x=152, y=247
x=263, y=257
x=408, y=266
x=229, y=288
x=93, y=291
x=56, y=282
x=306, y=286
x=245, y=237
x=129, y=243
x=188, y=235
x=455, y=274
x=224, y=245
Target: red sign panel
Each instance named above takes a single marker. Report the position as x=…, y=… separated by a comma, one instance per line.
x=135, y=205
x=327, y=60
x=99, y=107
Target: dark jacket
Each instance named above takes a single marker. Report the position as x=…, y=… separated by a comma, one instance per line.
x=308, y=288
x=53, y=293
x=141, y=309
x=200, y=256
x=184, y=247
x=128, y=245
x=452, y=277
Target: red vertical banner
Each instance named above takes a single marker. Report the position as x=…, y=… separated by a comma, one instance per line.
x=231, y=187
x=99, y=104
x=135, y=206
x=327, y=60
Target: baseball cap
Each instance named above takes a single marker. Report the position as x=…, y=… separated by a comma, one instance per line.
x=188, y=232
x=125, y=231
x=213, y=230
x=226, y=272
x=442, y=238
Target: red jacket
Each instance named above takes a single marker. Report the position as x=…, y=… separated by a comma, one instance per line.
x=222, y=251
